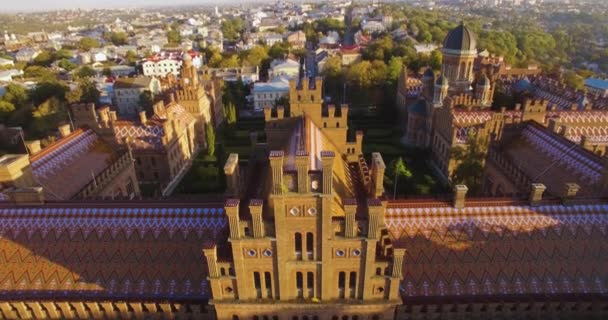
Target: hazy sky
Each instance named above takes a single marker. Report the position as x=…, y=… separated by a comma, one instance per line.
x=39, y=5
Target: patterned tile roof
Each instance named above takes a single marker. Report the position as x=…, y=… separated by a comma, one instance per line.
x=501, y=249
x=150, y=135
x=75, y=158
x=118, y=250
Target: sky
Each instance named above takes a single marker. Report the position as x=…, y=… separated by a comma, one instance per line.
x=40, y=5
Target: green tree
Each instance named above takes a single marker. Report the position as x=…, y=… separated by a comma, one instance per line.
x=6, y=108
x=85, y=72
x=174, y=37
x=470, y=159
x=230, y=62
x=67, y=65
x=360, y=74
x=73, y=96
x=46, y=90
x=210, y=137
x=232, y=28
x=88, y=43
x=394, y=68
x=332, y=68
x=146, y=101
x=15, y=94
x=44, y=59
x=574, y=80
x=107, y=72
x=256, y=56
x=131, y=58
x=119, y=38
x=398, y=169
x=230, y=114
x=38, y=72
x=90, y=94
x=278, y=50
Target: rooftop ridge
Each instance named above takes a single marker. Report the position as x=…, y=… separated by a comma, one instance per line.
x=59, y=143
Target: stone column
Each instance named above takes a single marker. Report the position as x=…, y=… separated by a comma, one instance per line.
x=255, y=208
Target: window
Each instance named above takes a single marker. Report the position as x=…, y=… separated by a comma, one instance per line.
x=257, y=283
x=310, y=284
x=352, y=283
x=235, y=317
x=298, y=243
x=222, y=271
x=337, y=124
x=309, y=244
x=299, y=284
x=341, y=283
x=378, y=271
x=268, y=283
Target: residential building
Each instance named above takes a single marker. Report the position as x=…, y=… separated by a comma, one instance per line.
x=247, y=75
x=597, y=86
x=297, y=39
x=27, y=54
x=168, y=62
x=128, y=91
x=6, y=62
x=267, y=93
x=288, y=68
x=372, y=26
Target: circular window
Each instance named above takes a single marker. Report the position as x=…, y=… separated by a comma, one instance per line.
x=294, y=211
x=251, y=252
x=340, y=252
x=356, y=252
x=267, y=252
x=312, y=211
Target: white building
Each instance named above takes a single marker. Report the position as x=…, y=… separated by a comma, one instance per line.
x=267, y=93
x=372, y=26
x=6, y=62
x=164, y=63
x=288, y=68
x=127, y=92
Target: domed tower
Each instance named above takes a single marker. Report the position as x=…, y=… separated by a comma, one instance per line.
x=483, y=90
x=441, y=90
x=188, y=74
x=428, y=78
x=459, y=52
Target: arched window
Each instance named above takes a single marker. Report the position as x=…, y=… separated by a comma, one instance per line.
x=378, y=271
x=298, y=243
x=223, y=271
x=299, y=284
x=310, y=244
x=337, y=124
x=235, y=317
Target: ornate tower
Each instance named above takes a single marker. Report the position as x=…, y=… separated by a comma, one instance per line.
x=483, y=91
x=459, y=52
x=428, y=78
x=313, y=244
x=441, y=91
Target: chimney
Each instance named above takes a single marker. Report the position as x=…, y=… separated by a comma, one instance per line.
x=267, y=113
x=211, y=257
x=255, y=208
x=569, y=192
x=104, y=115
x=276, y=165
x=280, y=112
x=536, y=193
x=29, y=196
x=231, y=208
x=350, y=210
x=64, y=130
x=231, y=169
x=302, y=166
x=327, y=163
x=460, y=193
x=143, y=118
x=331, y=110
x=375, y=209
x=378, y=168
x=33, y=146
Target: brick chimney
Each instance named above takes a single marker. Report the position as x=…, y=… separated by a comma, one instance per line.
x=33, y=146
x=64, y=130
x=143, y=118
x=460, y=193
x=536, y=193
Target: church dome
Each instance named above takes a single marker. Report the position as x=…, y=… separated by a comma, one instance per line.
x=460, y=38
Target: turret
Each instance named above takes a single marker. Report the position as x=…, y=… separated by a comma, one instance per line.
x=428, y=78
x=441, y=90
x=483, y=90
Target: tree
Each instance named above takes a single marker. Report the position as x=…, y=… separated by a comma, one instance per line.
x=47, y=89
x=399, y=169
x=44, y=59
x=131, y=57
x=88, y=43
x=107, y=72
x=256, y=56
x=73, y=96
x=90, y=94
x=6, y=108
x=232, y=28
x=15, y=94
x=38, y=72
x=118, y=38
x=394, y=68
x=146, y=101
x=332, y=68
x=230, y=114
x=279, y=50
x=470, y=159
x=67, y=65
x=174, y=37
x=230, y=62
x=210, y=137
x=359, y=74
x=574, y=80
x=85, y=72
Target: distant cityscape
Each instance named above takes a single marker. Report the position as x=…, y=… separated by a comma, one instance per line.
x=343, y=160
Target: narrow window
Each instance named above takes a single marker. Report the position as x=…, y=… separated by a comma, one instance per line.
x=257, y=284
x=352, y=283
x=235, y=317
x=298, y=243
x=299, y=284
x=309, y=244
x=310, y=284
x=341, y=283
